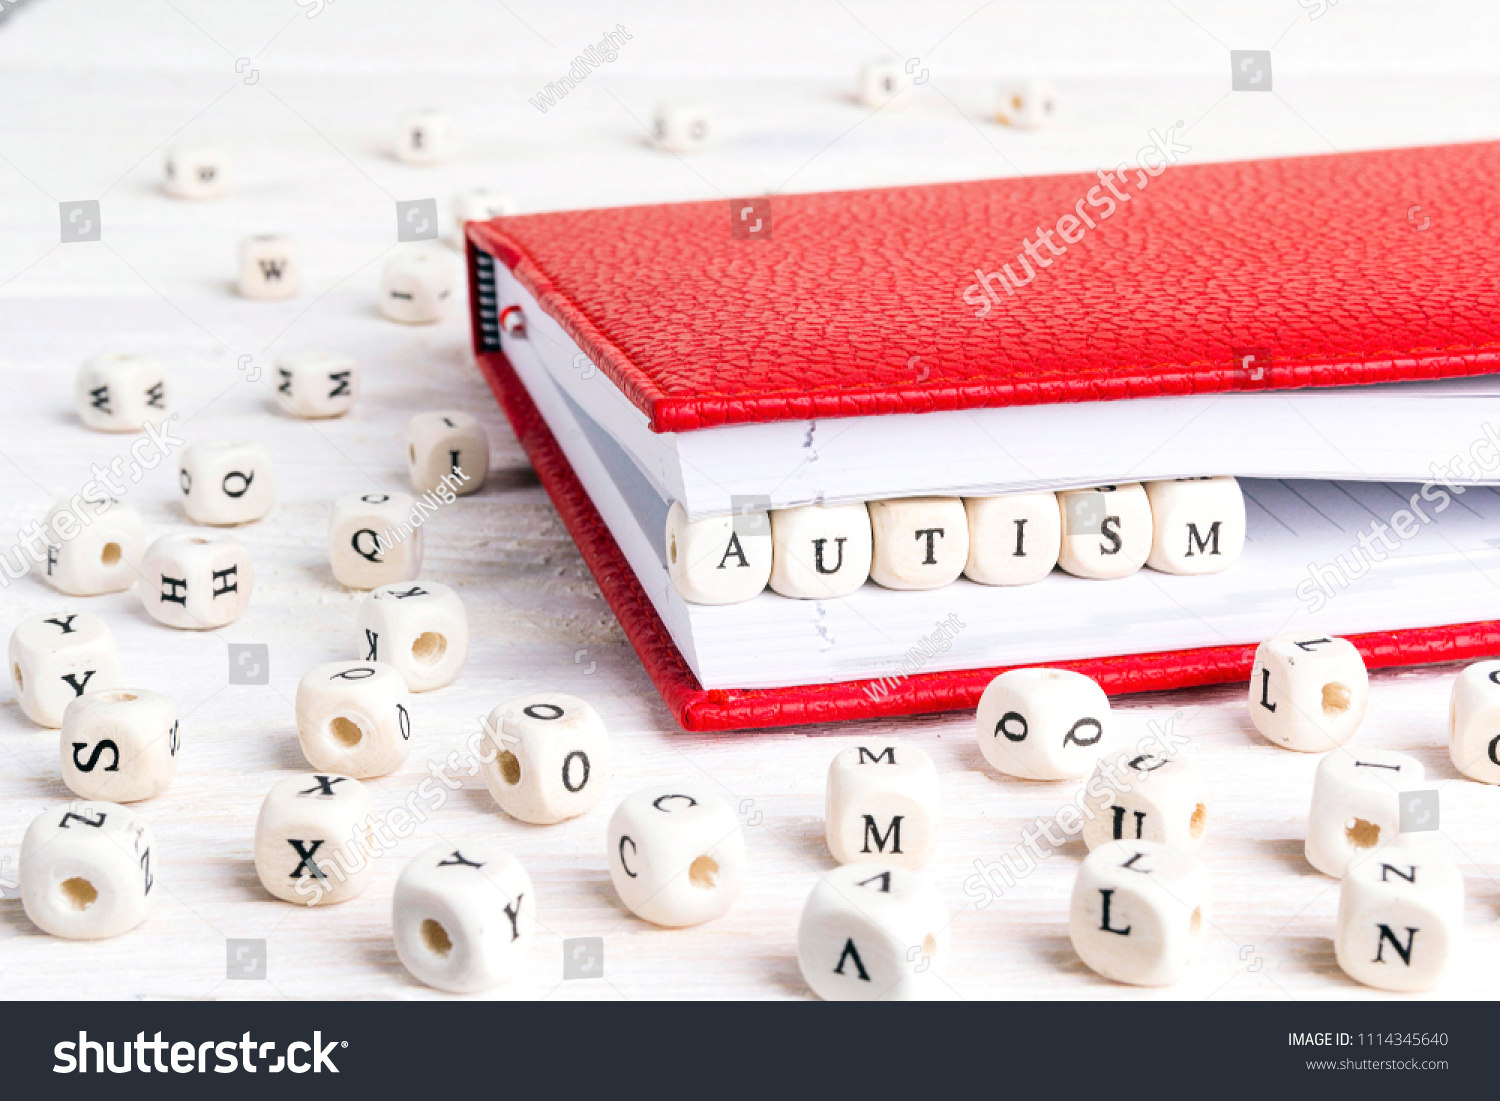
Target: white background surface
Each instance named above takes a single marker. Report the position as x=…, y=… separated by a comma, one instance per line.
x=94, y=90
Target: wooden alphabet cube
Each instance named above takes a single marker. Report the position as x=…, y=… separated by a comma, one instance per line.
x=317, y=384
x=1014, y=539
x=87, y=870
x=546, y=757
x=55, y=659
x=820, y=552
x=881, y=805
x=676, y=854
x=1106, y=531
x=1356, y=807
x=314, y=842
x=354, y=717
x=1197, y=525
x=419, y=629
x=120, y=745
x=479, y=204
x=1401, y=920
x=680, y=128
x=920, y=542
x=196, y=582
x=1135, y=796
x=882, y=81
x=93, y=546
x=873, y=932
x=1308, y=691
x=1474, y=722
x=447, y=449
x=1027, y=104
x=226, y=482
x=710, y=562
x=419, y=286
x=1139, y=912
x=1043, y=724
x=425, y=136
x=195, y=172
x=463, y=918
x=120, y=392
x=372, y=540
x=270, y=267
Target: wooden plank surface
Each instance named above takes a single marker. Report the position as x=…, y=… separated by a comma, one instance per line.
x=101, y=87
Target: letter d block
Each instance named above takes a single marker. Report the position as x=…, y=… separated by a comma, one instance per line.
x=1139, y=912
x=1401, y=918
x=372, y=541
x=882, y=805
x=712, y=563
x=313, y=839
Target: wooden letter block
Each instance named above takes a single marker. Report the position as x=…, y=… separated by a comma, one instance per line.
x=1106, y=531
x=873, y=932
x=882, y=805
x=920, y=542
x=1013, y=540
x=354, y=717
x=676, y=855
x=317, y=384
x=547, y=757
x=196, y=582
x=447, y=448
x=1043, y=724
x=1356, y=807
x=712, y=563
x=1401, y=920
x=226, y=482
x=1136, y=796
x=313, y=840
x=119, y=392
x=464, y=917
x=1197, y=525
x=419, y=629
x=1139, y=912
x=104, y=556
x=119, y=746
x=87, y=870
x=55, y=659
x=1474, y=722
x=1308, y=691
x=372, y=540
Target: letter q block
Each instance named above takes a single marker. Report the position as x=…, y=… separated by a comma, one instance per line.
x=1043, y=724
x=372, y=541
x=881, y=805
x=1474, y=722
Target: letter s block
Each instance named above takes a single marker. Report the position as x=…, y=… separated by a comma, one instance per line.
x=120, y=745
x=1106, y=531
x=881, y=805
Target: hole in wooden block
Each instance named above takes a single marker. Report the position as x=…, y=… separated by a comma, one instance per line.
x=1199, y=820
x=110, y=555
x=510, y=767
x=435, y=937
x=703, y=872
x=1196, y=925
x=79, y=892
x=197, y=542
x=429, y=647
x=929, y=946
x=1362, y=834
x=672, y=550
x=411, y=452
x=120, y=697
x=346, y=731
x=15, y=671
x=1335, y=698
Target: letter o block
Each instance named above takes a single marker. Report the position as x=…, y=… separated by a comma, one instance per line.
x=354, y=717
x=1043, y=724
x=881, y=805
x=551, y=761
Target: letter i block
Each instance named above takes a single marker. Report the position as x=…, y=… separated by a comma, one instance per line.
x=447, y=448
x=882, y=805
x=1401, y=918
x=1308, y=692
x=1139, y=912
x=710, y=562
x=372, y=540
x=55, y=659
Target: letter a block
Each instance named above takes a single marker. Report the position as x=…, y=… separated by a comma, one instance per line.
x=711, y=562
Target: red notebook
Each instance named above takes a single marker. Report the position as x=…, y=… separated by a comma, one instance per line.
x=1277, y=274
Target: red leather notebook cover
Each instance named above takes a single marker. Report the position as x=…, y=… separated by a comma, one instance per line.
x=1339, y=270
x=1345, y=269
x=698, y=709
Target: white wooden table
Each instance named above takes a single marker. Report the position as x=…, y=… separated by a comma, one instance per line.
x=95, y=88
